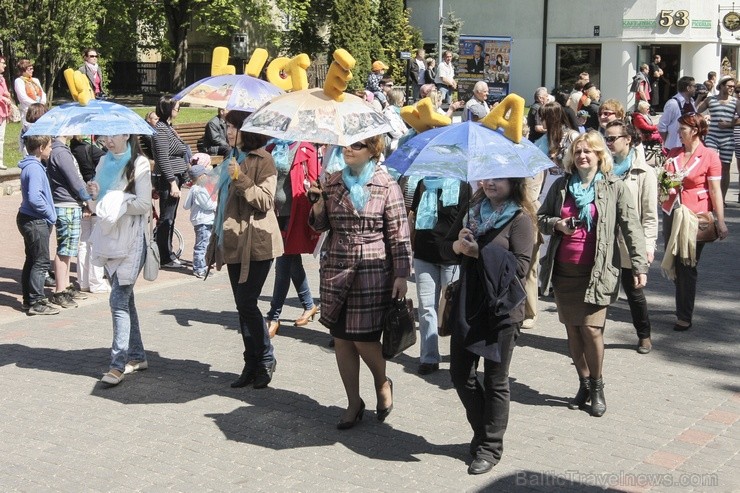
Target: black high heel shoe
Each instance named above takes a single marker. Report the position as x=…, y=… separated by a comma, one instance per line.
x=383, y=413
x=346, y=425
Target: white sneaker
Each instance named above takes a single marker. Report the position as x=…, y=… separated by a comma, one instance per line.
x=3, y=167
x=134, y=365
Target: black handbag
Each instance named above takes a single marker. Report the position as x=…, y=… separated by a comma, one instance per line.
x=399, y=331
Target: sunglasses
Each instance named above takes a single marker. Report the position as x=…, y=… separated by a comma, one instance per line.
x=607, y=113
x=92, y=56
x=613, y=138
x=357, y=146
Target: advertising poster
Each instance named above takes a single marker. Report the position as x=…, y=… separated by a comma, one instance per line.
x=485, y=58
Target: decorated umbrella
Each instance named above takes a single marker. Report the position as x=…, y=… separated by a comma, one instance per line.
x=314, y=116
x=232, y=92
x=95, y=118
x=468, y=151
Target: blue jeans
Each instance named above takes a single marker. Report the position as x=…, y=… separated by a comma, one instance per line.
x=430, y=279
x=127, y=344
x=36, y=233
x=202, y=237
x=287, y=268
x=258, y=350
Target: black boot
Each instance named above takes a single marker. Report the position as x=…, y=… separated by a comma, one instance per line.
x=247, y=376
x=582, y=396
x=598, y=403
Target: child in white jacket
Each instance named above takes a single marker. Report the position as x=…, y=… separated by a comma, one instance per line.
x=202, y=212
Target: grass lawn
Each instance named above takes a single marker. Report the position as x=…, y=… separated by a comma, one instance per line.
x=186, y=115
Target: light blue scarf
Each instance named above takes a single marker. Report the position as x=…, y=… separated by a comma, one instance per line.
x=281, y=153
x=358, y=192
x=223, y=190
x=426, y=214
x=483, y=217
x=334, y=160
x=110, y=173
x=584, y=196
x=622, y=168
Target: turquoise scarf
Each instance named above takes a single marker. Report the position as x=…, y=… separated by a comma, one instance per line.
x=281, y=153
x=223, y=190
x=584, y=196
x=622, y=168
x=426, y=213
x=483, y=217
x=334, y=160
x=110, y=173
x=358, y=192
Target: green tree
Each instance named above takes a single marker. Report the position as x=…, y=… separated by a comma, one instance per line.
x=351, y=30
x=51, y=32
x=394, y=34
x=308, y=22
x=451, y=29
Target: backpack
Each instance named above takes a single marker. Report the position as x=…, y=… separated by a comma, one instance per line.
x=635, y=87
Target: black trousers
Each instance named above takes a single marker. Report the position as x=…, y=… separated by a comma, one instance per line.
x=258, y=350
x=637, y=303
x=167, y=215
x=36, y=233
x=686, y=277
x=486, y=403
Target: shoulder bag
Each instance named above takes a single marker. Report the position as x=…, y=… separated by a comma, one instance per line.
x=444, y=312
x=14, y=114
x=706, y=230
x=399, y=331
x=151, y=264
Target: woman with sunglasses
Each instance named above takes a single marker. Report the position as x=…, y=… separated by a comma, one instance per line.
x=699, y=191
x=246, y=237
x=494, y=234
x=720, y=136
x=583, y=212
x=629, y=164
x=610, y=110
x=364, y=265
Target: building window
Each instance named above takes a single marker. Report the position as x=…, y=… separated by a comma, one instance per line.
x=729, y=60
x=574, y=59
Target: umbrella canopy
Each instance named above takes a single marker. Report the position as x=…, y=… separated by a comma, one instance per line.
x=232, y=92
x=467, y=151
x=313, y=116
x=95, y=118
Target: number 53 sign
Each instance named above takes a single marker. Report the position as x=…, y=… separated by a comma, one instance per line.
x=668, y=18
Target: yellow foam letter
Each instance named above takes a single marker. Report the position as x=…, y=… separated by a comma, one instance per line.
x=220, y=60
x=339, y=74
x=513, y=125
x=423, y=116
x=256, y=62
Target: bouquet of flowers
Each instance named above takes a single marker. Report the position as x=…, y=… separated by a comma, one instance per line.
x=669, y=182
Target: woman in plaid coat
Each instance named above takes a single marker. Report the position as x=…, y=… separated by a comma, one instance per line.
x=364, y=265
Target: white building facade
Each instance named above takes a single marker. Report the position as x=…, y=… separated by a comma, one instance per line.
x=554, y=40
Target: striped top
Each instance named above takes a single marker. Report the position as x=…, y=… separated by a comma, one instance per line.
x=720, y=112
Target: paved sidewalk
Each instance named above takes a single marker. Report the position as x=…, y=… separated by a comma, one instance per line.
x=671, y=424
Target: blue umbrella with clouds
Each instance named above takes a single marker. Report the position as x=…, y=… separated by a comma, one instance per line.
x=95, y=118
x=469, y=152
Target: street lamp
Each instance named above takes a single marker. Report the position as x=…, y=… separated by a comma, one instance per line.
x=441, y=26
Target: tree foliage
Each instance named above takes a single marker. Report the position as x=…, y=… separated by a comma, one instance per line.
x=351, y=30
x=394, y=34
x=451, y=29
x=308, y=23
x=51, y=32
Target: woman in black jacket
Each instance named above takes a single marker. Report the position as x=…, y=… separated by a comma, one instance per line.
x=496, y=247
x=171, y=157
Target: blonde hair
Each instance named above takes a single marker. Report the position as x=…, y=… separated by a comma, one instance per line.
x=595, y=141
x=613, y=105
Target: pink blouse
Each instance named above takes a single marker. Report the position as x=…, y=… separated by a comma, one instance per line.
x=580, y=247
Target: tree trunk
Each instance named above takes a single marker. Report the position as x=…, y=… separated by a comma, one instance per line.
x=181, y=59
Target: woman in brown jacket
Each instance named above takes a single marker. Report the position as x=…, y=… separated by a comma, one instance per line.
x=364, y=264
x=246, y=238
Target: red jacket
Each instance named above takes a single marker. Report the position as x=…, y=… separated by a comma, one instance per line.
x=299, y=237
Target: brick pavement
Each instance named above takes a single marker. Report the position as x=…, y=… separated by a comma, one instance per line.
x=672, y=415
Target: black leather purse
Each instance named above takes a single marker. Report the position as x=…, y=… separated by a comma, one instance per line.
x=399, y=331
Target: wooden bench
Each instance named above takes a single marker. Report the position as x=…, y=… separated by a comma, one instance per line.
x=190, y=133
